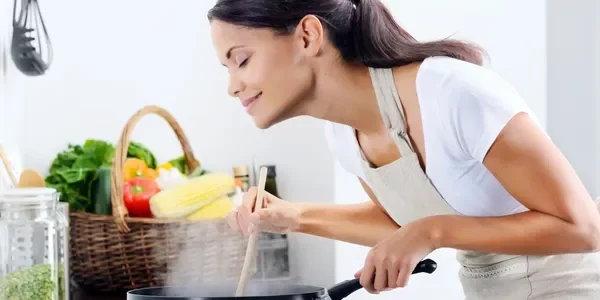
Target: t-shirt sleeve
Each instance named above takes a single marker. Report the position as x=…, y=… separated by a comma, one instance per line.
x=328, y=134
x=344, y=150
x=479, y=105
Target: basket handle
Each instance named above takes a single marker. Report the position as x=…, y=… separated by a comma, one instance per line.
x=119, y=210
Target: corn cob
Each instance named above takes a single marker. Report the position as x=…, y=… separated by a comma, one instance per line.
x=186, y=198
x=217, y=209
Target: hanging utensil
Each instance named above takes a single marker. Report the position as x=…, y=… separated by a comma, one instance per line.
x=31, y=178
x=8, y=166
x=30, y=60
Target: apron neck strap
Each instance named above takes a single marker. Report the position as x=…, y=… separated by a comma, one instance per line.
x=390, y=107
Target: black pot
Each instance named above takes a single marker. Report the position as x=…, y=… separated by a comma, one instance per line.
x=259, y=290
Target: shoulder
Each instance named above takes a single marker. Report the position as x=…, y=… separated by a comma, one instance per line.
x=341, y=143
x=473, y=103
x=456, y=78
x=335, y=134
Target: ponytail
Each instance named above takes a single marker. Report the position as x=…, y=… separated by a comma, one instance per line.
x=380, y=42
x=362, y=30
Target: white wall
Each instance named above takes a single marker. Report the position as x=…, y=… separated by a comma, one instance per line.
x=596, y=35
x=113, y=57
x=513, y=32
x=573, y=92
x=11, y=91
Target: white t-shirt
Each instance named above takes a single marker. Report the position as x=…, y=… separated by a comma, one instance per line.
x=463, y=108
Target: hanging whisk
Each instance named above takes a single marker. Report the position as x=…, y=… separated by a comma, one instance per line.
x=29, y=59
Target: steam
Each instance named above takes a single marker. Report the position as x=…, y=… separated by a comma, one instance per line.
x=272, y=256
x=208, y=257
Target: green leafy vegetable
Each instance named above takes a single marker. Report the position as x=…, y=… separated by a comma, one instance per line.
x=140, y=151
x=181, y=165
x=198, y=172
x=34, y=283
x=74, y=171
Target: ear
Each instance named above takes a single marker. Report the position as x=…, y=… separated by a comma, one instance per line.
x=310, y=35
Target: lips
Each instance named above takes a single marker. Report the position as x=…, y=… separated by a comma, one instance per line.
x=247, y=103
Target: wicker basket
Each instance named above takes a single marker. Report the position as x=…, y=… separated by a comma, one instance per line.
x=118, y=252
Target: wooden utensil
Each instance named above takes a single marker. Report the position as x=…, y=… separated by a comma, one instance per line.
x=251, y=248
x=8, y=167
x=31, y=178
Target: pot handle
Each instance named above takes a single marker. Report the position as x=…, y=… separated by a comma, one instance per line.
x=345, y=288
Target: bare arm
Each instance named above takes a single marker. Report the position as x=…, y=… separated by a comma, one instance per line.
x=364, y=223
x=562, y=216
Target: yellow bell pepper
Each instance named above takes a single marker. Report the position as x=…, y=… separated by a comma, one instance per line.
x=135, y=167
x=167, y=166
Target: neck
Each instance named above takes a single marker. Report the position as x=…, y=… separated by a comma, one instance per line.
x=344, y=94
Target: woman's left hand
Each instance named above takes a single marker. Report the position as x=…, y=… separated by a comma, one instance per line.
x=391, y=262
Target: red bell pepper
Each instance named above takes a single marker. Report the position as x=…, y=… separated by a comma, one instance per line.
x=136, y=195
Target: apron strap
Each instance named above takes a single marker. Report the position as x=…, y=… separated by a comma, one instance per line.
x=391, y=107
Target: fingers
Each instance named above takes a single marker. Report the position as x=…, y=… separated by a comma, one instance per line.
x=384, y=272
x=380, y=282
x=238, y=218
x=245, y=219
x=257, y=218
x=367, y=277
x=248, y=202
x=392, y=273
x=404, y=273
x=232, y=220
x=261, y=215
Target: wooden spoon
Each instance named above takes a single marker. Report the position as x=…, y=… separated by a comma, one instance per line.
x=251, y=249
x=31, y=178
x=8, y=166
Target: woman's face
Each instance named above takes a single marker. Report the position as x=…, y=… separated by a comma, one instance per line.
x=269, y=73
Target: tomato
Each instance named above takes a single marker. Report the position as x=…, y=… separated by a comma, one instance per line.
x=136, y=195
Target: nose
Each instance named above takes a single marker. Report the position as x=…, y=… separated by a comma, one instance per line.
x=235, y=86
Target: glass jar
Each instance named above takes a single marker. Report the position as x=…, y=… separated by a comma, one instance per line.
x=33, y=245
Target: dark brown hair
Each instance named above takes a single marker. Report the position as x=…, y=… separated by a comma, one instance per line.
x=362, y=30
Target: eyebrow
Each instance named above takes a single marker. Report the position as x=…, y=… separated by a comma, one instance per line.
x=228, y=53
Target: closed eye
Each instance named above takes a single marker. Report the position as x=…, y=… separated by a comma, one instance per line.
x=243, y=63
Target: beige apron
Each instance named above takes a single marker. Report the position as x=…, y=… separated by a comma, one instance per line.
x=407, y=194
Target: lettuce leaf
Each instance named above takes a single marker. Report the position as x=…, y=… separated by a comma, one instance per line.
x=140, y=151
x=73, y=172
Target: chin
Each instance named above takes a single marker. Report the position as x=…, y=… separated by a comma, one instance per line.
x=262, y=122
x=261, y=125
x=266, y=122
x=267, y=118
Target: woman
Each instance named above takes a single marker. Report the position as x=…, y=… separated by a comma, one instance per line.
x=447, y=150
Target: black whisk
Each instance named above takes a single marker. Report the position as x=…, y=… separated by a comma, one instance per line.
x=27, y=58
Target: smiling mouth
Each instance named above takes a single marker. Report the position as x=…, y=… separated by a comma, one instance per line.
x=247, y=103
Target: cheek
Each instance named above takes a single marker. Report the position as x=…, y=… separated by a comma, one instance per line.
x=257, y=76
x=278, y=77
x=265, y=76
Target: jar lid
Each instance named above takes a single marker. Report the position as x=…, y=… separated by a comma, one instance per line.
x=27, y=195
x=240, y=170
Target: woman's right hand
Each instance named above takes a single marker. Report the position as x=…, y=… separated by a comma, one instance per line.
x=276, y=215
